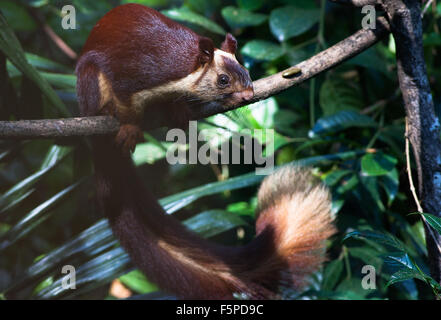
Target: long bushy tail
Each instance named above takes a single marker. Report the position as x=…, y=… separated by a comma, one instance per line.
x=293, y=223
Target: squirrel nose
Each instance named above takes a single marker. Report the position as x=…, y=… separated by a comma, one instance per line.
x=247, y=94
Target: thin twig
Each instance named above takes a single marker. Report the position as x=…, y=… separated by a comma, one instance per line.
x=68, y=51
x=426, y=7
x=412, y=187
x=409, y=171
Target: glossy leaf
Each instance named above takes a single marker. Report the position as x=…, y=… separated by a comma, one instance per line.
x=63, y=81
x=390, y=184
x=89, y=275
x=11, y=47
x=241, y=18
x=337, y=94
x=92, y=241
x=19, y=192
x=250, y=4
x=291, y=21
x=34, y=218
x=262, y=50
x=148, y=153
x=376, y=236
x=332, y=273
x=185, y=15
x=434, y=221
x=403, y=269
x=377, y=164
x=17, y=16
x=335, y=176
x=213, y=222
x=39, y=63
x=371, y=59
x=137, y=281
x=341, y=121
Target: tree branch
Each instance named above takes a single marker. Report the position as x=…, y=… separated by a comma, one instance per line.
x=264, y=88
x=424, y=126
x=58, y=128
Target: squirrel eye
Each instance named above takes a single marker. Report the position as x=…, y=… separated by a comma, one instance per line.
x=223, y=80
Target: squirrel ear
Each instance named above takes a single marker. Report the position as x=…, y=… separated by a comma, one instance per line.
x=229, y=44
x=206, y=50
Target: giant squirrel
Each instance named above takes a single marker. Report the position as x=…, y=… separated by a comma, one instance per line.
x=135, y=60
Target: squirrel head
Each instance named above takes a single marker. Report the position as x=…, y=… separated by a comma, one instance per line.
x=222, y=78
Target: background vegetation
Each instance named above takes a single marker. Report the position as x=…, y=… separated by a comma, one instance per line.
x=348, y=123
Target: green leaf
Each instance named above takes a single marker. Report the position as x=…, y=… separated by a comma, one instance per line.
x=291, y=21
x=432, y=39
x=434, y=221
x=332, y=274
x=137, y=281
x=376, y=236
x=37, y=3
x=88, y=243
x=43, y=284
x=20, y=191
x=371, y=59
x=337, y=94
x=403, y=275
x=17, y=16
x=34, y=218
x=185, y=15
x=341, y=121
x=63, y=81
x=263, y=112
x=351, y=288
x=90, y=275
x=368, y=255
x=11, y=47
x=243, y=208
x=149, y=153
x=213, y=222
x=390, y=183
x=335, y=176
x=348, y=184
x=377, y=164
x=328, y=159
x=262, y=50
x=250, y=4
x=304, y=4
x=46, y=64
x=182, y=199
x=403, y=269
x=241, y=18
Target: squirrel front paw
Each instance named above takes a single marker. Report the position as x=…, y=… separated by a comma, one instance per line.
x=128, y=136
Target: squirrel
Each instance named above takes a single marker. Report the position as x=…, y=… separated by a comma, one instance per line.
x=137, y=61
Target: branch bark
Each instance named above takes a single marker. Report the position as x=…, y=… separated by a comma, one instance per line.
x=424, y=126
x=264, y=88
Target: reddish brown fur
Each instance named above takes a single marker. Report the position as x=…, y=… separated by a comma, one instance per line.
x=121, y=45
x=135, y=48
x=230, y=44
